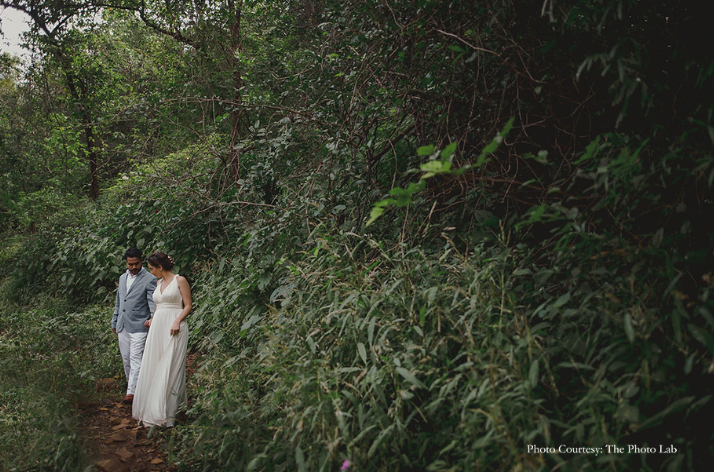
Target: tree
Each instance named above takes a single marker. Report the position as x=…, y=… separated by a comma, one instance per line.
x=51, y=28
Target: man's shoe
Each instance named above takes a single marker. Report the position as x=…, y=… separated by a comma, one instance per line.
x=129, y=399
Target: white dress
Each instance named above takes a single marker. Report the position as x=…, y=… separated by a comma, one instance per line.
x=162, y=379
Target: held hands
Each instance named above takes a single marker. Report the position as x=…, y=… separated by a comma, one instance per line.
x=175, y=327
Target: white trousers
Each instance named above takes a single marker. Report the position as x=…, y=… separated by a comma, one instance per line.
x=131, y=346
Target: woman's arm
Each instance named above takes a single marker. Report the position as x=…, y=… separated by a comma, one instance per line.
x=187, y=304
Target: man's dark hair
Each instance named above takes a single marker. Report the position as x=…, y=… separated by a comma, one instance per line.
x=133, y=252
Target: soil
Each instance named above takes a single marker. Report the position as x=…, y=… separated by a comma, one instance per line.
x=115, y=441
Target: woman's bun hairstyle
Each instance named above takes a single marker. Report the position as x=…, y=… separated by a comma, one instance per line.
x=161, y=259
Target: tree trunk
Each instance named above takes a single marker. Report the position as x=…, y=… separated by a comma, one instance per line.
x=234, y=61
x=93, y=157
x=51, y=34
x=86, y=123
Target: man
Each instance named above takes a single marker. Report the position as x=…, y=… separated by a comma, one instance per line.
x=134, y=306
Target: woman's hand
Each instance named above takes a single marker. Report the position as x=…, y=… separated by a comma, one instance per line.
x=175, y=327
x=147, y=323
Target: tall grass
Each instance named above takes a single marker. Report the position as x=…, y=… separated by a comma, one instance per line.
x=50, y=357
x=434, y=358
x=421, y=346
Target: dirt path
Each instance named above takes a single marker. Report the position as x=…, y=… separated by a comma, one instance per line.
x=115, y=442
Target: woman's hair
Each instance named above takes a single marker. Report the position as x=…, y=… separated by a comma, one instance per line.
x=161, y=259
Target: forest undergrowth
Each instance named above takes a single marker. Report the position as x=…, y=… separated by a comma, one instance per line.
x=442, y=236
x=51, y=356
x=453, y=353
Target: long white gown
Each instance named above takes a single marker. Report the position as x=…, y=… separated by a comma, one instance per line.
x=161, y=387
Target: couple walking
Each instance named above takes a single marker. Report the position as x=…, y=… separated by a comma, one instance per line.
x=149, y=318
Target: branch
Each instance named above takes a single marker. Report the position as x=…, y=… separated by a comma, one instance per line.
x=391, y=142
x=177, y=35
x=508, y=64
x=141, y=10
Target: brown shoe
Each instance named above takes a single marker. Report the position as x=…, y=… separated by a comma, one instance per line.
x=129, y=399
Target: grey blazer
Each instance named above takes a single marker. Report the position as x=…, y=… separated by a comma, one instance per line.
x=136, y=306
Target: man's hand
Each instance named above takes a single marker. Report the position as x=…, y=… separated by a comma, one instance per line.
x=114, y=330
x=147, y=324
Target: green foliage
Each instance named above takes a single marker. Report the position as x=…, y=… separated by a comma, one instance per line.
x=434, y=358
x=50, y=357
x=549, y=288
x=363, y=360
x=439, y=163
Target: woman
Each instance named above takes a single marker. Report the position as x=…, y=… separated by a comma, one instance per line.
x=162, y=379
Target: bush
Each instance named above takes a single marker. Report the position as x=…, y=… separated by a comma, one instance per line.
x=50, y=358
x=438, y=359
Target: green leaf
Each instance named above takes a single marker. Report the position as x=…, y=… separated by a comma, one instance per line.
x=491, y=222
x=362, y=352
x=416, y=187
x=535, y=214
x=250, y=322
x=702, y=336
x=380, y=437
x=426, y=150
x=590, y=151
x=493, y=145
x=562, y=300
x=370, y=330
x=374, y=214
x=216, y=337
x=433, y=166
x=362, y=434
x=387, y=201
x=486, y=152
x=300, y=459
x=409, y=377
x=629, y=330
x=533, y=373
x=507, y=129
x=528, y=182
x=448, y=151
x=575, y=365
x=677, y=405
x=689, y=363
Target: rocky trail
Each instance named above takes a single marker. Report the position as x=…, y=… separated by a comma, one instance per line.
x=115, y=441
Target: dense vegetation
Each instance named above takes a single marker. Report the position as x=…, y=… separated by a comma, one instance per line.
x=422, y=235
